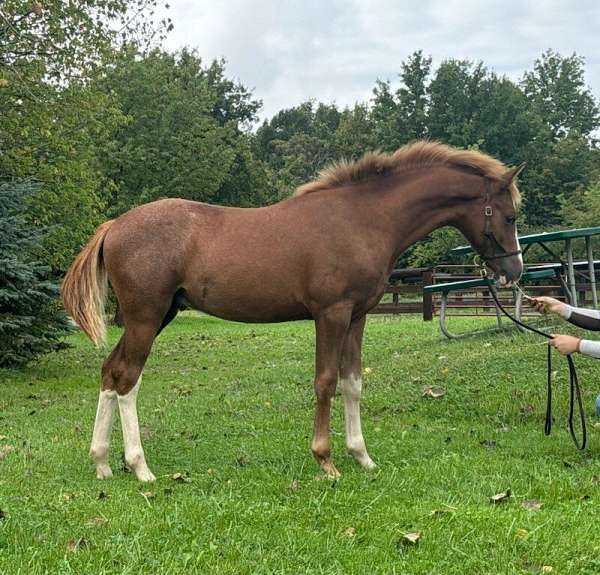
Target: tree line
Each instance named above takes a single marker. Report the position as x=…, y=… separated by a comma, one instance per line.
x=97, y=117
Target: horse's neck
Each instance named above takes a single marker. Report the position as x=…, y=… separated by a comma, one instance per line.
x=425, y=201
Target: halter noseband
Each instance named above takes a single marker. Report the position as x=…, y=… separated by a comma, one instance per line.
x=498, y=250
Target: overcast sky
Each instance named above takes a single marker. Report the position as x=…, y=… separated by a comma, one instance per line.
x=334, y=50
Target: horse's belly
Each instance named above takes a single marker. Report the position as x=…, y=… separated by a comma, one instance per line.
x=246, y=304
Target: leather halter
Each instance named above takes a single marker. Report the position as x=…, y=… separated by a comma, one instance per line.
x=498, y=250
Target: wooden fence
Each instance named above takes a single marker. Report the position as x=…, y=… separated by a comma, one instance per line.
x=404, y=293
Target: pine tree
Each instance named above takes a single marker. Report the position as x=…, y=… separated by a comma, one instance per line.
x=31, y=320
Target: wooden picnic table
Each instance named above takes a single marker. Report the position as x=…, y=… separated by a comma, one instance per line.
x=566, y=237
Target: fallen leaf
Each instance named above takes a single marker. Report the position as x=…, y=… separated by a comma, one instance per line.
x=532, y=504
x=547, y=569
x=5, y=450
x=350, y=532
x=367, y=370
x=411, y=538
x=521, y=533
x=77, y=544
x=488, y=443
x=180, y=477
x=434, y=392
x=148, y=494
x=294, y=485
x=500, y=497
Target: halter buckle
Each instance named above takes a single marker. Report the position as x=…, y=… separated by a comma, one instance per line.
x=488, y=211
x=480, y=265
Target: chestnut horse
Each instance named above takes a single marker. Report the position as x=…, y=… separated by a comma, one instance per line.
x=323, y=254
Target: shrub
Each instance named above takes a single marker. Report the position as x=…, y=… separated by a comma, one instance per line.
x=31, y=320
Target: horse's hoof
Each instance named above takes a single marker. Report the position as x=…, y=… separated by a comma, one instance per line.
x=368, y=464
x=330, y=470
x=145, y=475
x=103, y=472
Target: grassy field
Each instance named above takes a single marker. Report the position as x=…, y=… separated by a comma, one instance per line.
x=229, y=407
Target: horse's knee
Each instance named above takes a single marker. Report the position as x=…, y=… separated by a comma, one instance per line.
x=325, y=386
x=351, y=387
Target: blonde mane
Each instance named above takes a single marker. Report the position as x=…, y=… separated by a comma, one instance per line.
x=415, y=155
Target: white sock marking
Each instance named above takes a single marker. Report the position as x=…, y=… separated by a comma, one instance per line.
x=351, y=390
x=101, y=436
x=134, y=453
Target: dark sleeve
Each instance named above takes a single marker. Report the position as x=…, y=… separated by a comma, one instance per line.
x=581, y=318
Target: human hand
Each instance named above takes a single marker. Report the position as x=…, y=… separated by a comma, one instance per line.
x=565, y=344
x=545, y=304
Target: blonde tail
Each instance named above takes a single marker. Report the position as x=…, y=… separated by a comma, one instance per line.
x=84, y=288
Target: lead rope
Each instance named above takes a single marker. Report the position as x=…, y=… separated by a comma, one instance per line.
x=574, y=389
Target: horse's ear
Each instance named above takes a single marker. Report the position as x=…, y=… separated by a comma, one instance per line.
x=511, y=174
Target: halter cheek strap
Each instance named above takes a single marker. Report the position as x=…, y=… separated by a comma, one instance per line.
x=498, y=250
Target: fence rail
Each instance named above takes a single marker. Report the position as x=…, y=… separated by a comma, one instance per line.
x=404, y=293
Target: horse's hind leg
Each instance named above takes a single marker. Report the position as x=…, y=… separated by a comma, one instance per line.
x=134, y=452
x=351, y=384
x=103, y=425
x=121, y=377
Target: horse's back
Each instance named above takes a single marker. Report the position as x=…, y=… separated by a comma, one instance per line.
x=247, y=264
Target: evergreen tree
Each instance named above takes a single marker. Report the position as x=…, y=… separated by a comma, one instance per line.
x=31, y=320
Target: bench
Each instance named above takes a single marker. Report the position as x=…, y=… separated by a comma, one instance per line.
x=445, y=289
x=561, y=274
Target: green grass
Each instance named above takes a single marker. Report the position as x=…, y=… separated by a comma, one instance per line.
x=230, y=406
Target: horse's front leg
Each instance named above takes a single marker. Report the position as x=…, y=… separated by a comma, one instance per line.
x=331, y=328
x=351, y=384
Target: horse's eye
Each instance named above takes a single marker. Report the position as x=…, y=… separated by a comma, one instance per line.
x=510, y=220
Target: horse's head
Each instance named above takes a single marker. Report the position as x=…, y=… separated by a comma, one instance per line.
x=492, y=228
